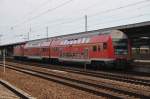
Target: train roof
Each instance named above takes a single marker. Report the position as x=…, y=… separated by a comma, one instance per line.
x=75, y=35
x=68, y=39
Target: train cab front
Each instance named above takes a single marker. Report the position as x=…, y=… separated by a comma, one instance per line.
x=122, y=51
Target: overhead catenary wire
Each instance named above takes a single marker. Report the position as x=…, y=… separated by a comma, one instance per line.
x=57, y=20
x=112, y=21
x=122, y=19
x=121, y=7
x=89, y=16
x=101, y=12
x=110, y=10
x=79, y=18
x=45, y=12
x=36, y=9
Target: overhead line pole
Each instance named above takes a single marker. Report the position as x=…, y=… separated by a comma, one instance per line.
x=28, y=36
x=85, y=23
x=47, y=32
x=85, y=64
x=29, y=33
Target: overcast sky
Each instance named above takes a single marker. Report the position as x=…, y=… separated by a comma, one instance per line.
x=65, y=16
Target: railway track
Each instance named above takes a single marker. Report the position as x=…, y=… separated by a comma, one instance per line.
x=133, y=79
x=19, y=93
x=100, y=88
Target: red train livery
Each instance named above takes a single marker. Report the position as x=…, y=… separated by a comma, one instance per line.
x=107, y=48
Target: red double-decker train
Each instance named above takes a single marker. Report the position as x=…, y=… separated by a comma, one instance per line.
x=107, y=48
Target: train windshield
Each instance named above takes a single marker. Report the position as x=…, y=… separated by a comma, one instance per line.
x=121, y=46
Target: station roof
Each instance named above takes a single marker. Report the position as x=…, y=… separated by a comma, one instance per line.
x=12, y=44
x=135, y=25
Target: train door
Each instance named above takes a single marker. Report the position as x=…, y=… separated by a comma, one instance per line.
x=96, y=51
x=99, y=49
x=60, y=52
x=86, y=53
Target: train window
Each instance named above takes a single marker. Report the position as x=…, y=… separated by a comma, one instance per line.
x=57, y=49
x=53, y=48
x=82, y=53
x=94, y=48
x=104, y=46
x=99, y=48
x=44, y=49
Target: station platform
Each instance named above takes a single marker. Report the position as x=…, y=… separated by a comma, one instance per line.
x=6, y=93
x=141, y=65
x=142, y=61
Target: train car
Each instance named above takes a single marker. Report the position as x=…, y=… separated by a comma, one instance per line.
x=32, y=50
x=106, y=48
x=19, y=51
x=38, y=49
x=45, y=49
x=109, y=49
x=55, y=50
